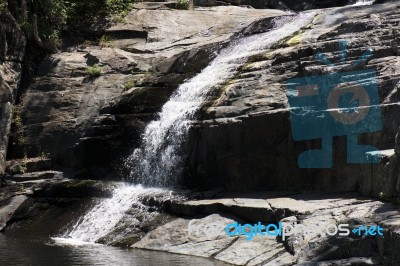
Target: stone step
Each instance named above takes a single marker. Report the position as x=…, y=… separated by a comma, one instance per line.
x=28, y=165
x=268, y=207
x=36, y=176
x=206, y=236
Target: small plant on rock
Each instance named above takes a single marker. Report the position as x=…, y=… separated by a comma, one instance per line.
x=129, y=84
x=93, y=71
x=184, y=4
x=106, y=41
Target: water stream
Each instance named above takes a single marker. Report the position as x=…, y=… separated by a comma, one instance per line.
x=364, y=2
x=106, y=215
x=158, y=160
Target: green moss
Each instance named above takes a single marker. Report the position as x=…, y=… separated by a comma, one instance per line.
x=184, y=4
x=295, y=40
x=93, y=71
x=129, y=84
x=3, y=6
x=106, y=41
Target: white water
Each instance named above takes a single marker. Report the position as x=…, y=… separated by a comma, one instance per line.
x=159, y=160
x=364, y=3
x=106, y=215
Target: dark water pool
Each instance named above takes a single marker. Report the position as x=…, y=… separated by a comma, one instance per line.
x=16, y=250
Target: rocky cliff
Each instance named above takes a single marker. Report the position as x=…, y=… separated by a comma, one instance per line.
x=12, y=49
x=87, y=105
x=245, y=141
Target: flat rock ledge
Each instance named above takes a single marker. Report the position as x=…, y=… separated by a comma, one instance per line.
x=201, y=231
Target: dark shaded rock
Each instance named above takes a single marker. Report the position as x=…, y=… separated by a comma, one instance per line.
x=89, y=124
x=299, y=5
x=126, y=235
x=28, y=165
x=71, y=189
x=12, y=49
x=252, y=3
x=36, y=176
x=40, y=218
x=8, y=208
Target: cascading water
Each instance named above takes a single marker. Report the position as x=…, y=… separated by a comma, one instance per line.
x=106, y=216
x=364, y=2
x=158, y=161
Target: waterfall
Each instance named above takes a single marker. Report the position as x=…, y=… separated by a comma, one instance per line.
x=159, y=160
x=104, y=217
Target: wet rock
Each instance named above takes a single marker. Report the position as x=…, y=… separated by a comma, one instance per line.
x=251, y=3
x=40, y=218
x=128, y=233
x=298, y=5
x=8, y=208
x=71, y=189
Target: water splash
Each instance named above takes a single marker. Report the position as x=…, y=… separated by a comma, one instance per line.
x=160, y=159
x=105, y=216
x=364, y=3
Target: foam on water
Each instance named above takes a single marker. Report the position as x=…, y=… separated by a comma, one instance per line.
x=364, y=3
x=105, y=216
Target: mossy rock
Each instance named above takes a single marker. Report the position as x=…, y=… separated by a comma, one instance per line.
x=295, y=40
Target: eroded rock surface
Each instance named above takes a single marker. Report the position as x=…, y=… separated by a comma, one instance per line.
x=12, y=49
x=206, y=236
x=88, y=122
x=245, y=138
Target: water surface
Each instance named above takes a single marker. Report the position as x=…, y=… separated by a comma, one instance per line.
x=15, y=250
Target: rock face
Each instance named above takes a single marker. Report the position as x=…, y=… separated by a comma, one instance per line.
x=12, y=48
x=252, y=3
x=245, y=138
x=86, y=123
x=7, y=209
x=89, y=103
x=205, y=236
x=299, y=5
